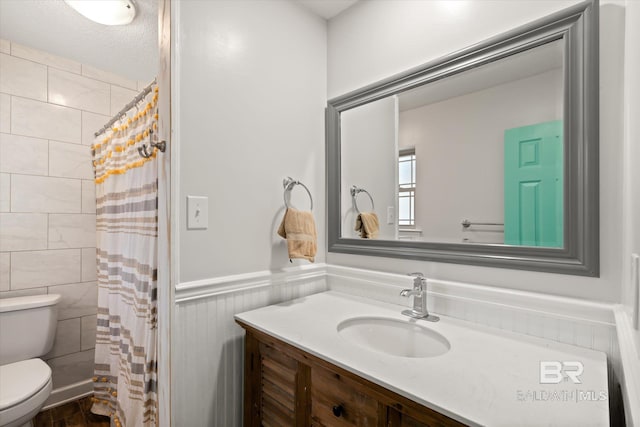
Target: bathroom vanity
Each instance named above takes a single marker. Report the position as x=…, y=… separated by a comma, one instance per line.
x=336, y=360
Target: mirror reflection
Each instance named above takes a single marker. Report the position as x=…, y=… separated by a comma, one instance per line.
x=476, y=157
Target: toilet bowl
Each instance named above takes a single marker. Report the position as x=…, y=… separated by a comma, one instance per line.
x=27, y=329
x=24, y=388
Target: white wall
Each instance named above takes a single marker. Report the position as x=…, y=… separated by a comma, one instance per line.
x=369, y=149
x=466, y=134
x=248, y=110
x=631, y=183
x=376, y=39
x=251, y=94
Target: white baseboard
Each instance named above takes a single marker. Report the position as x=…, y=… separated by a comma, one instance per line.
x=62, y=395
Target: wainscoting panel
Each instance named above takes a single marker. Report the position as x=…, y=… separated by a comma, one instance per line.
x=208, y=344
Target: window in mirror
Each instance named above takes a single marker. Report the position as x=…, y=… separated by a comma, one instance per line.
x=407, y=187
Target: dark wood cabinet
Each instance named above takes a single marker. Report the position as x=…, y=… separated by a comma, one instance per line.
x=285, y=386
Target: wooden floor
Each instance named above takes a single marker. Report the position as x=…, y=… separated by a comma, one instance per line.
x=72, y=414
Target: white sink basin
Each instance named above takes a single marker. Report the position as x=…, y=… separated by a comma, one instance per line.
x=393, y=337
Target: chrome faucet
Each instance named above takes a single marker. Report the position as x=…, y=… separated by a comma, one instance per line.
x=419, y=294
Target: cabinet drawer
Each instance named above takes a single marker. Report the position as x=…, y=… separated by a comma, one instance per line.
x=337, y=401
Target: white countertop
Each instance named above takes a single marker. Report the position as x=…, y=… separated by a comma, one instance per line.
x=489, y=377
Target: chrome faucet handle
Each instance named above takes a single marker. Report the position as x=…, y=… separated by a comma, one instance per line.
x=419, y=281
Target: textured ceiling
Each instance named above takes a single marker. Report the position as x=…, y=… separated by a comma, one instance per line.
x=50, y=25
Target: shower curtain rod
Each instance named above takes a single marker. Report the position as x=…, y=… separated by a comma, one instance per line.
x=127, y=107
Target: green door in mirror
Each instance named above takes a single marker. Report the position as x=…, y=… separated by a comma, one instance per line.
x=533, y=185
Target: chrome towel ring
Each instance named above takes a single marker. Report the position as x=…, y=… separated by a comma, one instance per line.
x=288, y=183
x=354, y=195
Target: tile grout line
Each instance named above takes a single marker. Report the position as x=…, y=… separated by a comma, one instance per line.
x=107, y=116
x=81, y=73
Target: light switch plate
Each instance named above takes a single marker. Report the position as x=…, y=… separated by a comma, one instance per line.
x=197, y=213
x=391, y=218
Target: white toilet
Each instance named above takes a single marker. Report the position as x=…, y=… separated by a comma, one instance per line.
x=27, y=330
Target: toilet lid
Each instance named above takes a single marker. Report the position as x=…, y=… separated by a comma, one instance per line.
x=21, y=380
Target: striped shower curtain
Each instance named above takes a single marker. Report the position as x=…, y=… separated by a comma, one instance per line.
x=127, y=256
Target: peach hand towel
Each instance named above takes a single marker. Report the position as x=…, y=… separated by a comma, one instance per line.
x=299, y=228
x=367, y=225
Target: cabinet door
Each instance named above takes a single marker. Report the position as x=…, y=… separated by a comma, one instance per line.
x=276, y=387
x=337, y=401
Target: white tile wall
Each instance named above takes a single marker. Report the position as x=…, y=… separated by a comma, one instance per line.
x=108, y=77
x=49, y=109
x=120, y=97
x=67, y=339
x=5, y=191
x=42, y=120
x=5, y=271
x=71, y=368
x=72, y=231
x=88, y=336
x=45, y=58
x=21, y=154
x=78, y=92
x=88, y=273
x=23, y=78
x=70, y=160
x=24, y=292
x=88, y=197
x=5, y=113
x=78, y=299
x=45, y=194
x=23, y=231
x=32, y=269
x=5, y=46
x=91, y=122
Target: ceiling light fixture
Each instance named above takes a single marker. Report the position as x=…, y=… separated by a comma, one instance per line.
x=107, y=12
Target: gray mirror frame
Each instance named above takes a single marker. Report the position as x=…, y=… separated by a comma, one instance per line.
x=577, y=26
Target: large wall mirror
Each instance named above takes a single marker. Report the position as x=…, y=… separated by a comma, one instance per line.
x=488, y=156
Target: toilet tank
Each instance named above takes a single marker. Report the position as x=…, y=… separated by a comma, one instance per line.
x=27, y=326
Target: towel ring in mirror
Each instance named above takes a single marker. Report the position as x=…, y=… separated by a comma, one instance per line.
x=288, y=184
x=354, y=195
